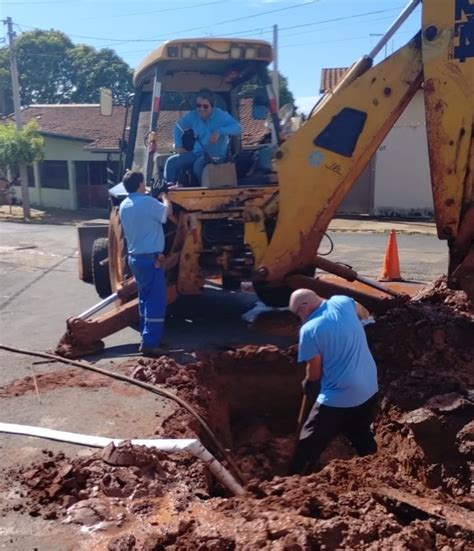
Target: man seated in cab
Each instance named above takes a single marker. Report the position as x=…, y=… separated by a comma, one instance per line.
x=212, y=127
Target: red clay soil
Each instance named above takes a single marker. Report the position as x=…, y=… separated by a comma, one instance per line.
x=415, y=494
x=61, y=378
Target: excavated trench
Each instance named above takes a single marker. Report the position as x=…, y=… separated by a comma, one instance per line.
x=250, y=398
x=415, y=493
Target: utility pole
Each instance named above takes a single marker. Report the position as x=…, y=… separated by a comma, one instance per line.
x=275, y=76
x=17, y=105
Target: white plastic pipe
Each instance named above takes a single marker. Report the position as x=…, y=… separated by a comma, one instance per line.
x=190, y=445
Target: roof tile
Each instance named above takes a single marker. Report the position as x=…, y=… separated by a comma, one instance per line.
x=84, y=122
x=330, y=78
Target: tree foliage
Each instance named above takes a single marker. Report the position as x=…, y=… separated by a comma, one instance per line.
x=54, y=70
x=20, y=146
x=95, y=69
x=286, y=95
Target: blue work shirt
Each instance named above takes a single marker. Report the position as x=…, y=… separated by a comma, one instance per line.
x=142, y=220
x=334, y=332
x=219, y=121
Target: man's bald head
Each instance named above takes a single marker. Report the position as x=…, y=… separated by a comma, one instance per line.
x=303, y=302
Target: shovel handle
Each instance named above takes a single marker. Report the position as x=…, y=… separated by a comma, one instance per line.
x=302, y=413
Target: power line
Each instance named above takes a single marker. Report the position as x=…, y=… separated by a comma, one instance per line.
x=292, y=27
x=347, y=39
x=299, y=33
x=249, y=16
x=16, y=3
x=201, y=5
x=238, y=33
x=194, y=28
x=319, y=22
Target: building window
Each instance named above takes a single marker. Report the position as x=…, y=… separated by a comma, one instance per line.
x=54, y=175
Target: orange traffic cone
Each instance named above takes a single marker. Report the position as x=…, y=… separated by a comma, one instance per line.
x=391, y=264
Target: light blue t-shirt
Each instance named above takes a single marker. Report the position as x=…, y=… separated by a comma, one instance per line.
x=142, y=220
x=220, y=121
x=334, y=332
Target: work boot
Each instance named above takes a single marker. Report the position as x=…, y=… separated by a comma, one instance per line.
x=152, y=350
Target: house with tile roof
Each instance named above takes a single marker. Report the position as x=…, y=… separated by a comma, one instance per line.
x=82, y=150
x=81, y=153
x=397, y=181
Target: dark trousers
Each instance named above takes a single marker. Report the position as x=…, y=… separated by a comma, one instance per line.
x=326, y=422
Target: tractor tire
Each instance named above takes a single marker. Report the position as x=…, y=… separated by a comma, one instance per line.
x=100, y=272
x=118, y=264
x=275, y=297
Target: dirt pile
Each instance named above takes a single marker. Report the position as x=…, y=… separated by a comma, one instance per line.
x=415, y=493
x=109, y=485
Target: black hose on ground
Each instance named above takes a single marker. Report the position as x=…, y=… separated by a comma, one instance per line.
x=164, y=393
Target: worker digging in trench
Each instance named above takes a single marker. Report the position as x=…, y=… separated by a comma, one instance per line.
x=341, y=377
x=142, y=219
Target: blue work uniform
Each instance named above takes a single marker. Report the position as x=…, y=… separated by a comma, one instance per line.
x=219, y=121
x=334, y=332
x=142, y=220
x=348, y=392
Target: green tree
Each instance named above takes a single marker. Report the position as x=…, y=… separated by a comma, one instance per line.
x=285, y=95
x=95, y=69
x=6, y=101
x=54, y=70
x=20, y=147
x=45, y=69
x=17, y=147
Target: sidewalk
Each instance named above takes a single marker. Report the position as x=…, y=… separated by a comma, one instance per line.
x=371, y=225
x=353, y=224
x=51, y=215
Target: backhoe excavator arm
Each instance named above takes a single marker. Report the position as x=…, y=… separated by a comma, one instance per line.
x=448, y=66
x=318, y=165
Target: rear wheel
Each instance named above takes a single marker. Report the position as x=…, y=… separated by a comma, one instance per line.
x=118, y=265
x=100, y=270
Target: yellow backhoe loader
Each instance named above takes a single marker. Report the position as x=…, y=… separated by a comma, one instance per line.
x=267, y=225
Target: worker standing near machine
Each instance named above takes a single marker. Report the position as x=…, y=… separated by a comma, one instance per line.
x=142, y=219
x=341, y=376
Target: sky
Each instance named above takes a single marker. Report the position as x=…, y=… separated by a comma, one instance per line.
x=312, y=34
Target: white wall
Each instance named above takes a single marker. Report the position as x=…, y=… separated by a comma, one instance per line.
x=402, y=174
x=57, y=149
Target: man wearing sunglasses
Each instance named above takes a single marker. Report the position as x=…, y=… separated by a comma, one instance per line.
x=341, y=376
x=211, y=127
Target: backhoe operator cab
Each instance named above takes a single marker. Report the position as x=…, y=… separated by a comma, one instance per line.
x=213, y=224
x=166, y=84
